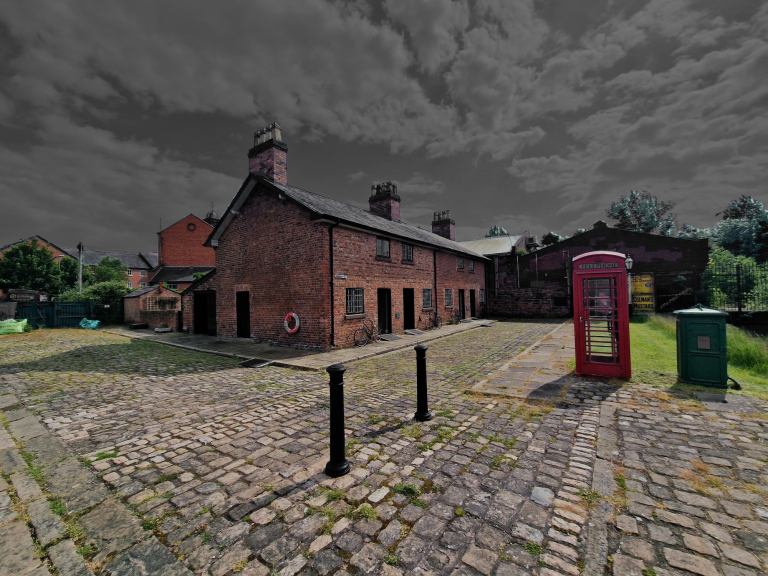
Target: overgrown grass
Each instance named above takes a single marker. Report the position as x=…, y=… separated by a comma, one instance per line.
x=654, y=354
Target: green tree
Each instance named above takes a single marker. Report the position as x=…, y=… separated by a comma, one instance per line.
x=692, y=233
x=68, y=267
x=744, y=207
x=30, y=266
x=109, y=270
x=496, y=231
x=743, y=237
x=550, y=238
x=642, y=212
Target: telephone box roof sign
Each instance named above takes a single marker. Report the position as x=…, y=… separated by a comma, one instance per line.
x=601, y=315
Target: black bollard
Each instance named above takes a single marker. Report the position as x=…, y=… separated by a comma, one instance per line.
x=338, y=465
x=422, y=408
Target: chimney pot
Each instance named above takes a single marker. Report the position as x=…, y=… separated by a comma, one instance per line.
x=384, y=201
x=442, y=225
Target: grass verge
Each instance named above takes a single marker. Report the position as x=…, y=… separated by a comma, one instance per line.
x=654, y=355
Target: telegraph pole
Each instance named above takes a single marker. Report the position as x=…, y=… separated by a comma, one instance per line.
x=80, y=268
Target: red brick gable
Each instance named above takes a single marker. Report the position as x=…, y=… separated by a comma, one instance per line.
x=181, y=244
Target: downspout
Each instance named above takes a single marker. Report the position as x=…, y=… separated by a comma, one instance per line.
x=333, y=313
x=434, y=270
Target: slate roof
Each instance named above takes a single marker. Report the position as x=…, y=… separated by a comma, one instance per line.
x=150, y=257
x=174, y=274
x=140, y=292
x=335, y=210
x=35, y=237
x=493, y=246
x=93, y=257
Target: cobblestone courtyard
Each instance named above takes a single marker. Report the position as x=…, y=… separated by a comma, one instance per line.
x=126, y=457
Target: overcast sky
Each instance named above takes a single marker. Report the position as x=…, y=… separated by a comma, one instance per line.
x=533, y=115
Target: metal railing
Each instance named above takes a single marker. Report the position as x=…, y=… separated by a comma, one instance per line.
x=736, y=287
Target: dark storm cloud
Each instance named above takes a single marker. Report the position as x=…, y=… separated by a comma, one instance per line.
x=542, y=119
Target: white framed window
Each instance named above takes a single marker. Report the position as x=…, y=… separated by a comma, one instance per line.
x=426, y=298
x=471, y=265
x=142, y=284
x=355, y=301
x=382, y=247
x=142, y=273
x=460, y=263
x=448, y=297
x=130, y=284
x=158, y=303
x=130, y=272
x=407, y=253
x=482, y=295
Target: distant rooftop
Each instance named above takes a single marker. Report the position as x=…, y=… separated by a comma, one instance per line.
x=493, y=246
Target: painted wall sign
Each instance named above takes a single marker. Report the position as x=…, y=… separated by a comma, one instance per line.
x=642, y=293
x=599, y=265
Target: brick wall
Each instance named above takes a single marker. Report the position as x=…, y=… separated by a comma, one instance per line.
x=135, y=311
x=386, y=206
x=277, y=254
x=445, y=228
x=180, y=246
x=355, y=256
x=270, y=159
x=659, y=255
x=188, y=303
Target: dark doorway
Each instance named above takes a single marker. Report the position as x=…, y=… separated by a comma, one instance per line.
x=385, y=310
x=472, y=304
x=409, y=309
x=462, y=312
x=204, y=320
x=243, y=306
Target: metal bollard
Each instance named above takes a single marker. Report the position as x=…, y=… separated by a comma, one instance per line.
x=338, y=465
x=422, y=410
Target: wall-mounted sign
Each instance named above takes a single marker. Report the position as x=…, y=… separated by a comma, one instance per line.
x=642, y=293
x=599, y=265
x=340, y=276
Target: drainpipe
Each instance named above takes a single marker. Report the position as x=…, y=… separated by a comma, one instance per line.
x=333, y=314
x=434, y=270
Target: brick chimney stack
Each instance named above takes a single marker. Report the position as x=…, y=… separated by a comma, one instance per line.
x=384, y=201
x=269, y=155
x=442, y=225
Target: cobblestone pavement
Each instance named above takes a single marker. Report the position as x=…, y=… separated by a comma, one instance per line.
x=200, y=466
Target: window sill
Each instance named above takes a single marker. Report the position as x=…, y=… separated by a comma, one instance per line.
x=354, y=316
x=427, y=309
x=471, y=271
x=459, y=269
x=407, y=262
x=451, y=306
x=384, y=258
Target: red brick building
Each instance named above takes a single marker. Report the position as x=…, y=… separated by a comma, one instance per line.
x=538, y=284
x=281, y=249
x=181, y=251
x=152, y=305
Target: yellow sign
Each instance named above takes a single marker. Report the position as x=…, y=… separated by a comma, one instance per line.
x=642, y=293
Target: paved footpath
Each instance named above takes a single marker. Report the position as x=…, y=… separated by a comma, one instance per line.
x=125, y=457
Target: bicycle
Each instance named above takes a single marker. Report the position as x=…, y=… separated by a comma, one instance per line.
x=364, y=334
x=425, y=322
x=437, y=322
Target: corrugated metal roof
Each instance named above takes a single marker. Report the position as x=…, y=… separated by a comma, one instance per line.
x=493, y=246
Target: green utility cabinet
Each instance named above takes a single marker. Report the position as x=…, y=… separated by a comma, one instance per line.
x=702, y=352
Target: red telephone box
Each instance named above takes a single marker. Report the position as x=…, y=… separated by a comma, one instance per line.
x=601, y=315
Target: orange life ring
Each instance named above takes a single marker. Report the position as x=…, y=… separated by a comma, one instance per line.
x=292, y=315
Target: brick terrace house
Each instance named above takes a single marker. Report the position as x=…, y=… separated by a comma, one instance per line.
x=181, y=253
x=57, y=253
x=537, y=284
x=281, y=249
x=139, y=265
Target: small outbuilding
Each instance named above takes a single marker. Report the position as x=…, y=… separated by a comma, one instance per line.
x=155, y=306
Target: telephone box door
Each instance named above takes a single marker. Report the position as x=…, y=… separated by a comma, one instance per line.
x=601, y=315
